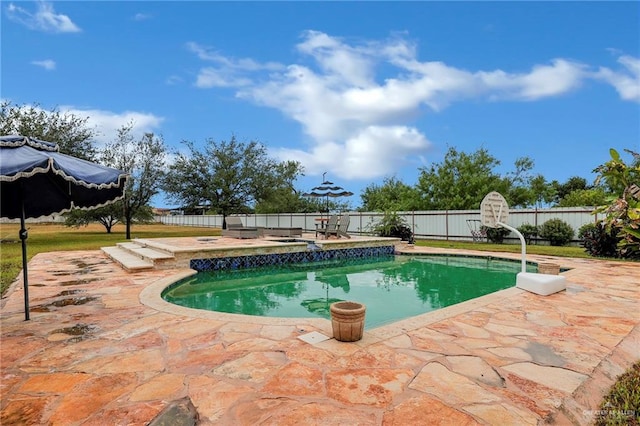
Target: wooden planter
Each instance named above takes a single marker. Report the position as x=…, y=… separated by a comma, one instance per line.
x=347, y=320
x=548, y=268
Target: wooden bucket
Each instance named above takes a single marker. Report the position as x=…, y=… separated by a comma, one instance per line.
x=347, y=321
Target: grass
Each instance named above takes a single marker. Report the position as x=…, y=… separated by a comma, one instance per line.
x=623, y=398
x=55, y=237
x=621, y=406
x=564, y=251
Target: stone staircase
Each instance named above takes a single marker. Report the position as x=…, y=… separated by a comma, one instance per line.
x=136, y=256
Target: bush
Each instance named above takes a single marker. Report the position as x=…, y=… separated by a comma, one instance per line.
x=393, y=225
x=528, y=231
x=557, y=231
x=598, y=241
x=496, y=235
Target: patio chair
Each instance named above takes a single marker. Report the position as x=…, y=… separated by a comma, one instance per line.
x=341, y=229
x=331, y=226
x=235, y=229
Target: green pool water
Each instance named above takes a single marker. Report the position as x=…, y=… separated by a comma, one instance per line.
x=391, y=287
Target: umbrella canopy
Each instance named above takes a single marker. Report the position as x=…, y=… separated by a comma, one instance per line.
x=327, y=190
x=36, y=180
x=320, y=306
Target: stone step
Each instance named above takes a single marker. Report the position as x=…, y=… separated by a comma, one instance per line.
x=126, y=259
x=145, y=252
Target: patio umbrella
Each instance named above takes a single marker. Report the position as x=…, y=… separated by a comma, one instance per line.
x=36, y=180
x=322, y=305
x=327, y=189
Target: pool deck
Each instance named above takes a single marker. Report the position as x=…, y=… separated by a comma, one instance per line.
x=103, y=348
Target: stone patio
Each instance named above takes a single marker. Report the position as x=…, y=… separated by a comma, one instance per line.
x=103, y=348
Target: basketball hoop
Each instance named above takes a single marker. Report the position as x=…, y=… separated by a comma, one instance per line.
x=494, y=210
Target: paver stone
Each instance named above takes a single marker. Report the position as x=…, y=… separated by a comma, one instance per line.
x=296, y=379
x=553, y=377
x=424, y=410
x=450, y=387
x=375, y=387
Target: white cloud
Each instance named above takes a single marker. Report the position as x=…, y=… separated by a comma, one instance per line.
x=542, y=81
x=356, y=101
x=213, y=77
x=341, y=63
x=47, y=64
x=372, y=152
x=627, y=81
x=107, y=123
x=43, y=19
x=173, y=79
x=226, y=72
x=141, y=17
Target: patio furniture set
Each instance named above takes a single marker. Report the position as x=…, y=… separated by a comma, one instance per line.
x=335, y=225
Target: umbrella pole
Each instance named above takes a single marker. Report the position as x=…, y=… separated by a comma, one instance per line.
x=23, y=238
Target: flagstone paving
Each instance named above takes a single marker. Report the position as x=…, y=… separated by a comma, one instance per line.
x=94, y=354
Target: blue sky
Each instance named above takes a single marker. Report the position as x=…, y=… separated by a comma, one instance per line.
x=360, y=90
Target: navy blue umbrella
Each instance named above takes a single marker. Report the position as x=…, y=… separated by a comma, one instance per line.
x=36, y=180
x=327, y=189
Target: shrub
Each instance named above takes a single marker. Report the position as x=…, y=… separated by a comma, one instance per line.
x=528, y=231
x=496, y=235
x=598, y=241
x=623, y=213
x=557, y=231
x=393, y=225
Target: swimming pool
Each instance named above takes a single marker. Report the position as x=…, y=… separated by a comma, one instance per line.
x=392, y=287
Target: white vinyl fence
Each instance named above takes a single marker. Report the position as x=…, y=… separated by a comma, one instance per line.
x=445, y=225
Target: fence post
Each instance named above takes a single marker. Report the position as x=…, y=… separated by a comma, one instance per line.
x=446, y=224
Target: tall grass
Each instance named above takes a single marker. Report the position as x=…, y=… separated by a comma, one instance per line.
x=621, y=406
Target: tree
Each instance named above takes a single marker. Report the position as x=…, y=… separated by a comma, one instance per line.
x=517, y=184
x=230, y=176
x=542, y=192
x=584, y=197
x=574, y=183
x=392, y=195
x=69, y=131
x=279, y=195
x=462, y=180
x=108, y=216
x=144, y=161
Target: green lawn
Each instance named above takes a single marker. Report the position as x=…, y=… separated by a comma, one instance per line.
x=52, y=237
x=564, y=251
